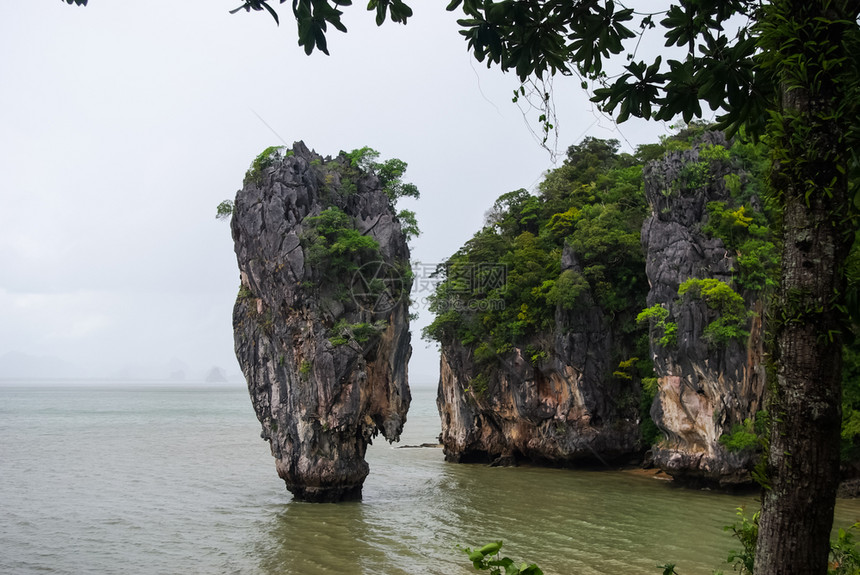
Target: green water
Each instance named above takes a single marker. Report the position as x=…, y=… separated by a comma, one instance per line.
x=138, y=479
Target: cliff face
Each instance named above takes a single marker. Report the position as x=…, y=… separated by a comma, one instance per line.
x=703, y=389
x=321, y=321
x=554, y=376
x=562, y=408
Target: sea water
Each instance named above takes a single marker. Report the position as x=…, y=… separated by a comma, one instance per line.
x=120, y=478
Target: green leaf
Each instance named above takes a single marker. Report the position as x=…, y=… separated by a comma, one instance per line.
x=491, y=548
x=272, y=12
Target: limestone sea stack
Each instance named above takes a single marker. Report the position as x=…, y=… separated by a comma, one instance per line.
x=321, y=322
x=705, y=388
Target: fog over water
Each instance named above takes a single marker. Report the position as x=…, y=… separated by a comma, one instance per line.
x=123, y=125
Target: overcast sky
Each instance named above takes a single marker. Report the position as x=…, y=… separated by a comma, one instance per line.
x=123, y=125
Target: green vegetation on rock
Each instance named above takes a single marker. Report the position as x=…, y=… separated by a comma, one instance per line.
x=224, y=210
x=751, y=435
x=729, y=306
x=344, y=332
x=265, y=160
x=504, y=285
x=657, y=315
x=334, y=247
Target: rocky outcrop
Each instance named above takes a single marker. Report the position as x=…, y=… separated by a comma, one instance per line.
x=703, y=389
x=561, y=408
x=321, y=321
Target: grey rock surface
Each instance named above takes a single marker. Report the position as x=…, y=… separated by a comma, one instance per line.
x=325, y=358
x=703, y=391
x=562, y=410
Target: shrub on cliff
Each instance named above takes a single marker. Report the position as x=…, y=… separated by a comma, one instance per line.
x=593, y=204
x=723, y=301
x=333, y=245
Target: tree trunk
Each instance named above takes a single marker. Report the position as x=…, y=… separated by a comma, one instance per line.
x=803, y=460
x=810, y=159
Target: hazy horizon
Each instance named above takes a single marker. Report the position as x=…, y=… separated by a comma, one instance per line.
x=125, y=125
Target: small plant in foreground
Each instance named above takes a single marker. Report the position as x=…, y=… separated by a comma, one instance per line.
x=746, y=531
x=488, y=558
x=844, y=555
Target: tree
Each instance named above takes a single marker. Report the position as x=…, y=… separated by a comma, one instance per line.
x=790, y=74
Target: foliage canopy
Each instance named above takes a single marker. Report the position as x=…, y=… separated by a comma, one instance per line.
x=728, y=51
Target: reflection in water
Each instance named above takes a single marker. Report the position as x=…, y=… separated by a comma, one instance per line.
x=307, y=538
x=402, y=525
